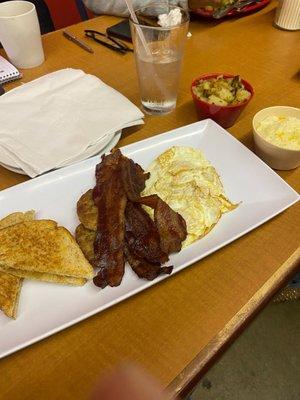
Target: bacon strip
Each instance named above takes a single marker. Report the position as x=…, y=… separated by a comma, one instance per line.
x=144, y=269
x=110, y=198
x=141, y=235
x=134, y=178
x=171, y=226
x=124, y=229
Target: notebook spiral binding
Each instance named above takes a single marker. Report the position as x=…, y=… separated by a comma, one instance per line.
x=8, y=72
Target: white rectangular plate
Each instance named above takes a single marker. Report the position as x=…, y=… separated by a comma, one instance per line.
x=47, y=308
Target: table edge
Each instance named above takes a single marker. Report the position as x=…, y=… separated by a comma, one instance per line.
x=190, y=375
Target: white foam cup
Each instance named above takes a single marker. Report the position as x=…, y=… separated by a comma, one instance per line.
x=20, y=34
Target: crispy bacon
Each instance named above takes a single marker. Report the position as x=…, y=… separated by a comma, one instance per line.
x=142, y=235
x=134, y=178
x=143, y=268
x=124, y=229
x=110, y=198
x=171, y=226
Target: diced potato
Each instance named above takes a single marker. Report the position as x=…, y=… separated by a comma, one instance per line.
x=216, y=100
x=226, y=95
x=221, y=91
x=206, y=85
x=242, y=95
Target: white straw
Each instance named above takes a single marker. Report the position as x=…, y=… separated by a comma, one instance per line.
x=131, y=10
x=138, y=29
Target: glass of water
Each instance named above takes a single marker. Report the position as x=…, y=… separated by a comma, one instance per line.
x=158, y=54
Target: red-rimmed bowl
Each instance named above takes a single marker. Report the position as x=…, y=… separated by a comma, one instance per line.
x=223, y=115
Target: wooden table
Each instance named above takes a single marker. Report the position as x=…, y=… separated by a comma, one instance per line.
x=176, y=328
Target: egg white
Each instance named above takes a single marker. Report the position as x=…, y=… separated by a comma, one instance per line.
x=190, y=185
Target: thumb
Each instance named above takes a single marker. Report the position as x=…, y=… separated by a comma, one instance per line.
x=128, y=382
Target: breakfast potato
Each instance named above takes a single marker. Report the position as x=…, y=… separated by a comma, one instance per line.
x=221, y=91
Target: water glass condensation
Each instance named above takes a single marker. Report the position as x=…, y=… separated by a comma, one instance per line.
x=20, y=33
x=158, y=55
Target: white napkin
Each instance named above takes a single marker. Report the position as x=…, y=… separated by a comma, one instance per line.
x=54, y=119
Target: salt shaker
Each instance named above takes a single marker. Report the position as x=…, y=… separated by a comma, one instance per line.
x=288, y=15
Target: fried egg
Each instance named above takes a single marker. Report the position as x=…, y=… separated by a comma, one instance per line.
x=190, y=185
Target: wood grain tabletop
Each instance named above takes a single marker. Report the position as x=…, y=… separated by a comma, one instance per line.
x=176, y=328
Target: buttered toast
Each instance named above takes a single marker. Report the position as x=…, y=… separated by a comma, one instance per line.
x=10, y=285
x=39, y=249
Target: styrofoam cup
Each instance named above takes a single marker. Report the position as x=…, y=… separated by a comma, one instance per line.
x=20, y=34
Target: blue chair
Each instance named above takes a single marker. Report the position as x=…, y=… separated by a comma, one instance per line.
x=82, y=10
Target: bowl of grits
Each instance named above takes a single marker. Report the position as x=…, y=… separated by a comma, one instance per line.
x=221, y=97
x=276, y=132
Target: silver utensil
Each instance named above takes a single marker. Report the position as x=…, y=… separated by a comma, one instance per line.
x=237, y=5
x=77, y=41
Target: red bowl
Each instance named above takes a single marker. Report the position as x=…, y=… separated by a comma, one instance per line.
x=223, y=115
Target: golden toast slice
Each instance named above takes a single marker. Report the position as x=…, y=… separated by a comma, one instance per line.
x=40, y=246
x=16, y=218
x=10, y=288
x=42, y=276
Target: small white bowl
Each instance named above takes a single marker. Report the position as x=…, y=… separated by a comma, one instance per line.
x=276, y=157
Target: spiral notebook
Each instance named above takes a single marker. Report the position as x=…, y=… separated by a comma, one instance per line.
x=7, y=71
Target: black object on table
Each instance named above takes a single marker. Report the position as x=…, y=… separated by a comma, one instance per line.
x=107, y=41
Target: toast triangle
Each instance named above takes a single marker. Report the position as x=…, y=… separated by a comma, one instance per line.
x=41, y=246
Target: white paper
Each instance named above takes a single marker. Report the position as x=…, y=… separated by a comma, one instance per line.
x=57, y=117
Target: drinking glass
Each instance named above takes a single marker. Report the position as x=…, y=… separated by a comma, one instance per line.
x=158, y=55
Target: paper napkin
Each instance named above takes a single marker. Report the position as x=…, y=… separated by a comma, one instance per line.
x=56, y=118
